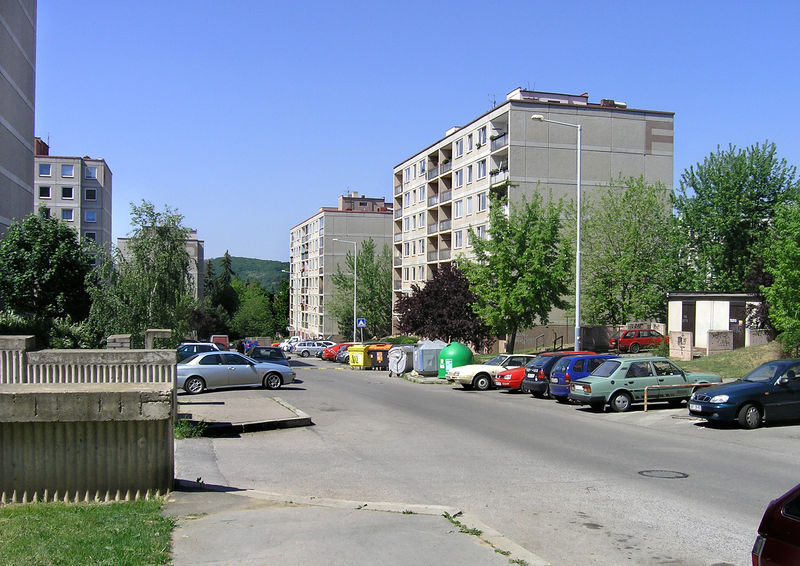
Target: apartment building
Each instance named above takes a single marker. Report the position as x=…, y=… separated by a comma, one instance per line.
x=442, y=191
x=17, y=97
x=76, y=190
x=320, y=243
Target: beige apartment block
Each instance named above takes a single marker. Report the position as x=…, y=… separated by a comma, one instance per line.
x=316, y=249
x=17, y=98
x=77, y=191
x=443, y=190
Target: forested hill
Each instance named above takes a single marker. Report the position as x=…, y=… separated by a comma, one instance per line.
x=265, y=271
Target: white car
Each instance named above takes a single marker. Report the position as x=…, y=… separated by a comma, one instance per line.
x=481, y=376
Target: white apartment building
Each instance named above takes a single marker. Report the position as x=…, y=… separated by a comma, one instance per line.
x=314, y=255
x=443, y=190
x=17, y=100
x=76, y=190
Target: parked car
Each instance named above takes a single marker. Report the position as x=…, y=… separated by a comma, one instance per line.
x=571, y=368
x=307, y=347
x=229, y=369
x=188, y=349
x=325, y=344
x=778, y=540
x=769, y=393
x=637, y=339
x=289, y=342
x=481, y=376
x=343, y=356
x=268, y=354
x=537, y=372
x=511, y=379
x=622, y=381
x=330, y=352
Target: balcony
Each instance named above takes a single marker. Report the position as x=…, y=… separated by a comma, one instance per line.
x=398, y=189
x=444, y=254
x=433, y=200
x=398, y=237
x=446, y=167
x=433, y=256
x=398, y=284
x=502, y=141
x=498, y=176
x=432, y=229
x=398, y=213
x=445, y=196
x=433, y=173
x=398, y=260
x=444, y=225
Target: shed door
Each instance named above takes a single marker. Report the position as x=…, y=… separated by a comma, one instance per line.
x=736, y=324
x=687, y=316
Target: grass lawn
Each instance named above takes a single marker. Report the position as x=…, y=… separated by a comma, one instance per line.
x=130, y=533
x=736, y=363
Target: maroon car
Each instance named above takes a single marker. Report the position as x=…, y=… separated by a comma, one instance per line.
x=778, y=540
x=634, y=340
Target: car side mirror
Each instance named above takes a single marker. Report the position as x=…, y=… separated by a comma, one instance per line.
x=783, y=380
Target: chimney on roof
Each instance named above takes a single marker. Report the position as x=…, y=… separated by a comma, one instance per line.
x=40, y=147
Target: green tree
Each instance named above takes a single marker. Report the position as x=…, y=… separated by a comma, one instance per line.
x=254, y=316
x=630, y=253
x=783, y=264
x=726, y=209
x=280, y=309
x=146, y=285
x=443, y=310
x=373, y=290
x=43, y=267
x=521, y=272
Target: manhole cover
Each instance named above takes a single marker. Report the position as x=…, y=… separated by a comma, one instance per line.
x=663, y=474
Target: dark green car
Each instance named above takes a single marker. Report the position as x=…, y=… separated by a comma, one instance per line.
x=621, y=382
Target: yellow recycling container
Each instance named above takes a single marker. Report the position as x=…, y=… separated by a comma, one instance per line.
x=358, y=356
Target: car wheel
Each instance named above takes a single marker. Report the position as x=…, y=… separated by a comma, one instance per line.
x=272, y=381
x=194, y=385
x=304, y=353
x=538, y=394
x=621, y=402
x=750, y=416
x=524, y=389
x=482, y=382
x=634, y=349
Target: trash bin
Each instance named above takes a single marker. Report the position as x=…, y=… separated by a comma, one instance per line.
x=358, y=356
x=401, y=359
x=453, y=355
x=379, y=356
x=426, y=357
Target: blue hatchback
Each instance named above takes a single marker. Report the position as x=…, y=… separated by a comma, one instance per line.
x=572, y=368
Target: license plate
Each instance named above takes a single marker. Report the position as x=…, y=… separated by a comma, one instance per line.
x=553, y=380
x=695, y=407
x=579, y=388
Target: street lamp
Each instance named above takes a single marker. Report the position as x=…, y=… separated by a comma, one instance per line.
x=541, y=118
x=355, y=262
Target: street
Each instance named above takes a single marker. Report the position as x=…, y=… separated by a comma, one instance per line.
x=572, y=486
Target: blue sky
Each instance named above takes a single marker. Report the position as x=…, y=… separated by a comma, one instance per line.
x=249, y=116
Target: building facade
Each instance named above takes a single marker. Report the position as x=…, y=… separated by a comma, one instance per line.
x=17, y=97
x=443, y=190
x=76, y=190
x=318, y=245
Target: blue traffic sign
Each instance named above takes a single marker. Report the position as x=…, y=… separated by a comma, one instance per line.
x=361, y=322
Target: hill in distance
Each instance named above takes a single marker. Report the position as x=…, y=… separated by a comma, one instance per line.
x=268, y=272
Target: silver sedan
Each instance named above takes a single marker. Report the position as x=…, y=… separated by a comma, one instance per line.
x=229, y=369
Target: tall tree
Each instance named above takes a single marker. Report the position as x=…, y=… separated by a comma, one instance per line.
x=726, y=208
x=254, y=316
x=280, y=309
x=782, y=261
x=521, y=272
x=373, y=290
x=443, y=310
x=630, y=253
x=43, y=265
x=148, y=284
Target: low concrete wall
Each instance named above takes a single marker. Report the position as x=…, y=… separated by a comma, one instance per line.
x=719, y=341
x=13, y=366
x=85, y=442
x=680, y=345
x=756, y=337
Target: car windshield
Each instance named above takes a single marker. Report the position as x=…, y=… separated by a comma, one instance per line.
x=538, y=361
x=606, y=368
x=767, y=372
x=496, y=361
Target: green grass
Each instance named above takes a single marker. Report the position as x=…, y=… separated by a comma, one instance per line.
x=113, y=534
x=736, y=363
x=184, y=428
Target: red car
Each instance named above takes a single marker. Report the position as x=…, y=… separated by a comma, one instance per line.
x=634, y=340
x=778, y=540
x=510, y=378
x=330, y=352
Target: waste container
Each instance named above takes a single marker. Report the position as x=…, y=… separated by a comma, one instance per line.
x=358, y=356
x=453, y=355
x=401, y=359
x=379, y=356
x=426, y=357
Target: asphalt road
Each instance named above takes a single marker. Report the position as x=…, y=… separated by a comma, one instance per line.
x=572, y=486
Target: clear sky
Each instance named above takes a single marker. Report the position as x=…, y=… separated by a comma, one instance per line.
x=249, y=116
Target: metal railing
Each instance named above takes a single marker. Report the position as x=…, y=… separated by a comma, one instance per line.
x=445, y=167
x=445, y=196
x=502, y=141
x=444, y=225
x=433, y=173
x=685, y=386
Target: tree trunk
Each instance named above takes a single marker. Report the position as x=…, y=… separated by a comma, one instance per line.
x=512, y=339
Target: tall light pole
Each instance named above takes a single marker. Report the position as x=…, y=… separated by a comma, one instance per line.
x=355, y=262
x=541, y=118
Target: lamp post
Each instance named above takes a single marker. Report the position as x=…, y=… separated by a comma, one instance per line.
x=355, y=262
x=541, y=118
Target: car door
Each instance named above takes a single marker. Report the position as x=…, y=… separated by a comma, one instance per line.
x=639, y=376
x=784, y=398
x=240, y=372
x=668, y=373
x=213, y=371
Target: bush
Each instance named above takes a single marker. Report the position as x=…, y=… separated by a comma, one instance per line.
x=661, y=350
x=400, y=339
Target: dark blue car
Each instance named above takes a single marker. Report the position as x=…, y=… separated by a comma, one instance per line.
x=571, y=368
x=769, y=393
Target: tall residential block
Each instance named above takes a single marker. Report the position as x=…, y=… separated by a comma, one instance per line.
x=443, y=190
x=17, y=97
x=314, y=255
x=76, y=190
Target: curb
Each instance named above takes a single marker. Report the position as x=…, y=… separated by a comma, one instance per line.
x=218, y=428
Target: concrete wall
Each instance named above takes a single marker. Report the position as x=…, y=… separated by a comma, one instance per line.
x=719, y=341
x=680, y=345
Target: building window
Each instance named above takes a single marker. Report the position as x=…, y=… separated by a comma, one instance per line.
x=481, y=232
x=458, y=209
x=421, y=246
x=66, y=214
x=407, y=174
x=481, y=202
x=469, y=205
x=66, y=192
x=406, y=224
x=91, y=194
x=421, y=219
x=482, y=136
x=459, y=148
x=90, y=236
x=481, y=169
x=91, y=173
x=405, y=274
x=422, y=193
x=405, y=249
x=422, y=273
x=44, y=192
x=469, y=142
x=469, y=173
x=414, y=247
x=458, y=240
x=90, y=216
x=459, y=181
x=414, y=222
x=67, y=170
x=422, y=167
x=413, y=273
x=44, y=169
